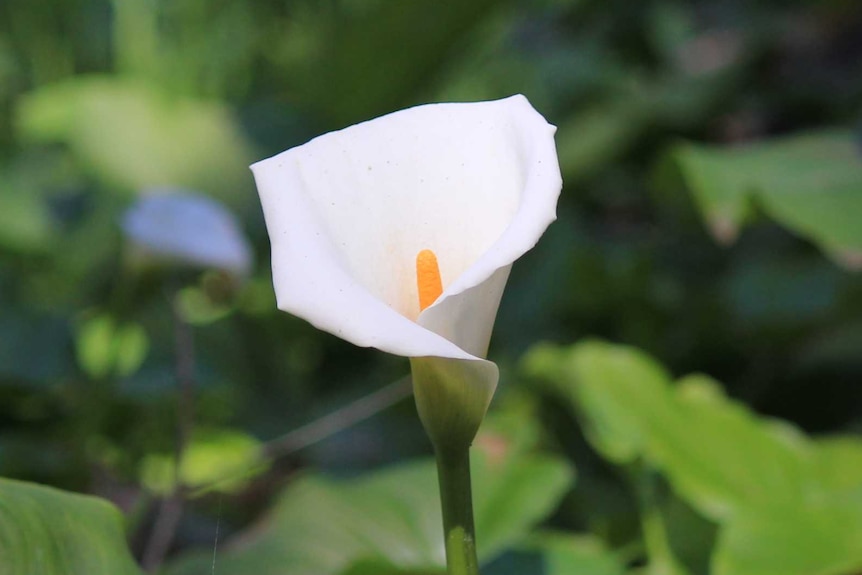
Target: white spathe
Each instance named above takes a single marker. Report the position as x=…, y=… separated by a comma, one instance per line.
x=348, y=212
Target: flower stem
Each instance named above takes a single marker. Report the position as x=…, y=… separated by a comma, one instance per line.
x=453, y=472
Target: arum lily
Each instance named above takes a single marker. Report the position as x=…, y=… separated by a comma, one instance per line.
x=399, y=233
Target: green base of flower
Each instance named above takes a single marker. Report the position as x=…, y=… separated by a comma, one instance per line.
x=452, y=396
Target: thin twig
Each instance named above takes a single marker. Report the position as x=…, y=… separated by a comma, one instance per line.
x=171, y=509
x=320, y=429
x=339, y=420
x=215, y=544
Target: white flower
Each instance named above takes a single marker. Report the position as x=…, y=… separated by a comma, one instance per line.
x=349, y=211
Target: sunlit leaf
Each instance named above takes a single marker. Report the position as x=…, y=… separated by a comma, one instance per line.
x=196, y=308
x=839, y=462
x=810, y=183
x=134, y=137
x=211, y=459
x=724, y=458
x=820, y=538
x=715, y=452
x=617, y=414
x=105, y=347
x=769, y=486
x=50, y=532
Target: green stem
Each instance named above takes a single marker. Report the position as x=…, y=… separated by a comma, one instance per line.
x=453, y=472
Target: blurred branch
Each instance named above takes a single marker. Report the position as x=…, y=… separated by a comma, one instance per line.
x=338, y=420
x=171, y=509
x=323, y=428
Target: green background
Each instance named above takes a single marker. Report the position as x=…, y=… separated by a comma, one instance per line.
x=710, y=223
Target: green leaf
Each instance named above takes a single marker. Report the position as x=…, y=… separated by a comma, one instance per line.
x=810, y=183
x=786, y=504
x=821, y=538
x=839, y=463
x=105, y=347
x=691, y=536
x=50, y=532
x=134, y=136
x=513, y=487
x=210, y=460
x=615, y=389
x=390, y=520
x=25, y=223
x=716, y=453
x=511, y=495
x=321, y=526
x=726, y=460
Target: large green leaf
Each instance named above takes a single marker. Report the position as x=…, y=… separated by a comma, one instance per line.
x=617, y=413
x=822, y=538
x=768, y=485
x=839, y=462
x=133, y=136
x=725, y=459
x=717, y=453
x=389, y=521
x=50, y=532
x=810, y=183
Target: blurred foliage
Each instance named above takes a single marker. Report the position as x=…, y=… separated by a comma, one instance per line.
x=680, y=123
x=783, y=505
x=809, y=183
x=209, y=459
x=44, y=530
x=387, y=520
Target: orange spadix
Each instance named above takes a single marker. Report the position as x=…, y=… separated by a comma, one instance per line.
x=428, y=278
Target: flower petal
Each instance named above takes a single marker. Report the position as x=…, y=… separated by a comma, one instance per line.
x=312, y=282
x=467, y=308
x=466, y=318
